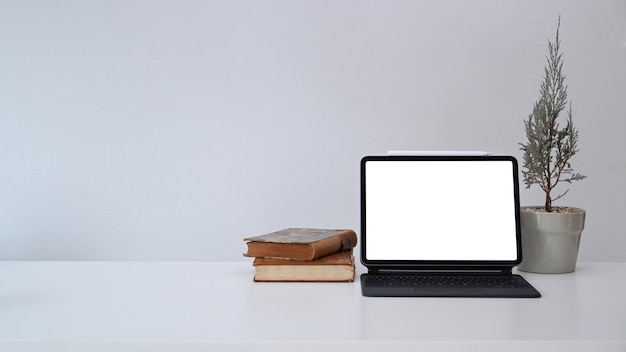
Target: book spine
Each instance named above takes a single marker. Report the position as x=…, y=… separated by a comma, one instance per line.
x=343, y=241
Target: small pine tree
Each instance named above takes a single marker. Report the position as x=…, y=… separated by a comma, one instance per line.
x=548, y=149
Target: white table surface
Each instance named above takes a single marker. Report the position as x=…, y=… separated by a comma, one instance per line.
x=210, y=306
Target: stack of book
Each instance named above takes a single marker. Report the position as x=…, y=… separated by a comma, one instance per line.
x=303, y=254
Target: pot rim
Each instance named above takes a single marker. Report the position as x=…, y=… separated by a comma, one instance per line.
x=573, y=210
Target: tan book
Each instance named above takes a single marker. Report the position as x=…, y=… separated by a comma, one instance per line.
x=337, y=267
x=300, y=243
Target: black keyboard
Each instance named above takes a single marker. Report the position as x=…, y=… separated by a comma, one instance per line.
x=446, y=285
x=438, y=281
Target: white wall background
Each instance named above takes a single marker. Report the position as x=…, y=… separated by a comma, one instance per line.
x=170, y=130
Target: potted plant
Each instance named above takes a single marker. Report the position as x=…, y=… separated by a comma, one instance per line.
x=550, y=234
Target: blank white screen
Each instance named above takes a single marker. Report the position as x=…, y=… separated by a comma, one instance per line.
x=440, y=210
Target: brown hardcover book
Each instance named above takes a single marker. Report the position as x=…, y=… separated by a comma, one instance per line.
x=337, y=267
x=300, y=243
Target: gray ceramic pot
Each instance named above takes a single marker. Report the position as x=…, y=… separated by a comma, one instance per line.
x=550, y=241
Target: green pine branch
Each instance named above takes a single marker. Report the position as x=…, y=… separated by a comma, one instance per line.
x=549, y=148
